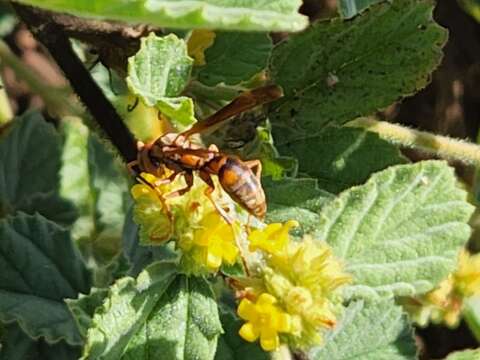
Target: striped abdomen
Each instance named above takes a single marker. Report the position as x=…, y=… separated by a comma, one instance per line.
x=242, y=185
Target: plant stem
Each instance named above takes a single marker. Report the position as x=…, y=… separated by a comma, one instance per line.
x=443, y=146
x=59, y=46
x=55, y=99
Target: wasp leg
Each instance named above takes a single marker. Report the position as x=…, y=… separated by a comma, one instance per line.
x=188, y=176
x=208, y=193
x=255, y=166
x=130, y=167
x=167, y=180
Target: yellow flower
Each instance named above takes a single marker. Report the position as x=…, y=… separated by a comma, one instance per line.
x=467, y=276
x=444, y=304
x=264, y=320
x=215, y=242
x=272, y=239
x=150, y=213
x=306, y=282
x=440, y=305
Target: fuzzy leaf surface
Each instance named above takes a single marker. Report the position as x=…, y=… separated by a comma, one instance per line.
x=259, y=15
x=29, y=165
x=235, y=57
x=400, y=233
x=40, y=268
x=161, y=313
x=161, y=68
x=341, y=157
x=124, y=311
x=338, y=70
x=184, y=325
x=83, y=308
x=295, y=199
x=377, y=330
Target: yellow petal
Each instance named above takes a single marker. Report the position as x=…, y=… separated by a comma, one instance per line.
x=230, y=253
x=284, y=322
x=249, y=332
x=213, y=260
x=246, y=310
x=266, y=299
x=269, y=340
x=139, y=190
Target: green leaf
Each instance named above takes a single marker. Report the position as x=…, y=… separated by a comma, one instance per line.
x=377, y=330
x=333, y=73
x=235, y=57
x=465, y=355
x=40, y=268
x=158, y=73
x=230, y=345
x=161, y=68
x=16, y=345
x=179, y=109
x=342, y=157
x=74, y=176
x=184, y=324
x=94, y=180
x=109, y=186
x=110, y=334
x=400, y=232
x=350, y=8
x=279, y=15
x=295, y=199
x=29, y=165
x=164, y=315
x=83, y=308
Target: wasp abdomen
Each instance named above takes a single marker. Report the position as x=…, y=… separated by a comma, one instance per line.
x=242, y=185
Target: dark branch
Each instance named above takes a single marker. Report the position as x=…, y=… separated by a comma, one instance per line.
x=114, y=41
x=58, y=44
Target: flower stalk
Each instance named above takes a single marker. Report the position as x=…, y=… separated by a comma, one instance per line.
x=443, y=146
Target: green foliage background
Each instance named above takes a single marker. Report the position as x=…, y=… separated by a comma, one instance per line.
x=66, y=230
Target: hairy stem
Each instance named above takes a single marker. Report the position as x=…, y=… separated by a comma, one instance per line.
x=58, y=44
x=443, y=146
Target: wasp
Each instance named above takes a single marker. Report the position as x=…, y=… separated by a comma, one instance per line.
x=176, y=152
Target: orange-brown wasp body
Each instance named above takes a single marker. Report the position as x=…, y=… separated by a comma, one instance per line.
x=240, y=179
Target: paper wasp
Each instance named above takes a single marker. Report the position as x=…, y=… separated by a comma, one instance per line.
x=240, y=179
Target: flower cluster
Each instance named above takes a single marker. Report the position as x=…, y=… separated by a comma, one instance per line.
x=301, y=280
x=445, y=303
x=205, y=239
x=291, y=288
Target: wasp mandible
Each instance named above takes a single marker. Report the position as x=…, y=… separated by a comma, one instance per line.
x=240, y=179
